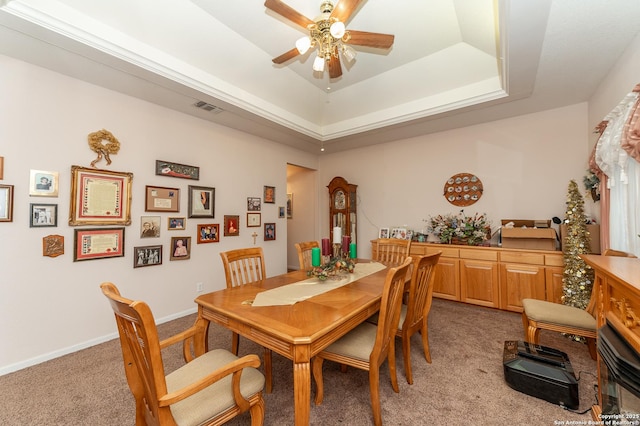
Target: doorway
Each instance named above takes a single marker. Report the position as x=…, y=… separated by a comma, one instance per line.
x=302, y=223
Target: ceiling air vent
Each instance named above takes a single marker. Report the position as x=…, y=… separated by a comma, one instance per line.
x=208, y=107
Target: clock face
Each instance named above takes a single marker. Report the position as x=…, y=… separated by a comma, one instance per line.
x=339, y=200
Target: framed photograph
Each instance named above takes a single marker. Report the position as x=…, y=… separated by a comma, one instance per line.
x=180, y=248
x=1, y=168
x=98, y=243
x=384, y=233
x=43, y=215
x=167, y=168
x=270, y=194
x=176, y=223
x=269, y=231
x=253, y=204
x=147, y=256
x=201, y=201
x=281, y=212
x=100, y=197
x=289, y=206
x=43, y=183
x=208, y=233
x=400, y=233
x=161, y=199
x=6, y=203
x=53, y=245
x=253, y=220
x=231, y=225
x=149, y=226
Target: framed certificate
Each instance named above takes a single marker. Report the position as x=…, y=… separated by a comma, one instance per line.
x=100, y=197
x=98, y=243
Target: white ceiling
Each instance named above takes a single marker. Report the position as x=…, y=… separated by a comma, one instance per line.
x=453, y=63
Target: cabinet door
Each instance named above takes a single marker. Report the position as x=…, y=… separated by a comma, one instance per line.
x=447, y=279
x=479, y=283
x=519, y=282
x=554, y=284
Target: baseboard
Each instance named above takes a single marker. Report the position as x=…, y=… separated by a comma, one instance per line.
x=75, y=348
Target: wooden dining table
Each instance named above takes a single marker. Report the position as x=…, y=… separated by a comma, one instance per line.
x=298, y=331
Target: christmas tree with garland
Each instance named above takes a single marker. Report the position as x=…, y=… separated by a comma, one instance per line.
x=578, y=277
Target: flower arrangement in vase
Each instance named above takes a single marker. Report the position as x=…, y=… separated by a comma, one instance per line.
x=336, y=268
x=459, y=228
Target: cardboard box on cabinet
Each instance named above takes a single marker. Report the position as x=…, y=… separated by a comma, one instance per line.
x=594, y=231
x=529, y=238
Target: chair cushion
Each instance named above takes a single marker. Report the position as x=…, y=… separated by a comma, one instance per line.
x=555, y=313
x=216, y=398
x=358, y=343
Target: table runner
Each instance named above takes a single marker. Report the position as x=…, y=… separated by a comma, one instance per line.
x=303, y=290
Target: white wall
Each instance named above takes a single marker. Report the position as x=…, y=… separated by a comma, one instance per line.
x=50, y=306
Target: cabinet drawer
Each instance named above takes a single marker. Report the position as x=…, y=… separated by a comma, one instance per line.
x=446, y=251
x=527, y=258
x=489, y=255
x=553, y=260
x=417, y=250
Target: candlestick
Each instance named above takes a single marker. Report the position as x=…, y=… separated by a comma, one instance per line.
x=326, y=247
x=337, y=234
x=315, y=256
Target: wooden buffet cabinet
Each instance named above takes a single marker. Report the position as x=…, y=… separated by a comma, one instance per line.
x=492, y=276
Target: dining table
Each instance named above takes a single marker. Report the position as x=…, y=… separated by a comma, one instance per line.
x=297, y=330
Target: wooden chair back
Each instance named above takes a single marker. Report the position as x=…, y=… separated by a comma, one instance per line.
x=304, y=253
x=392, y=251
x=420, y=289
x=243, y=266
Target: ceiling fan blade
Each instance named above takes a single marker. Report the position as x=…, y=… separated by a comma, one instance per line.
x=377, y=40
x=288, y=12
x=286, y=56
x=344, y=9
x=335, y=69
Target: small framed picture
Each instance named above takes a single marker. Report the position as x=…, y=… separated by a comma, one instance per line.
x=270, y=194
x=208, y=233
x=6, y=203
x=176, y=223
x=43, y=183
x=384, y=233
x=400, y=233
x=161, y=199
x=289, y=206
x=269, y=231
x=43, y=215
x=53, y=245
x=167, y=168
x=180, y=248
x=253, y=204
x=147, y=256
x=149, y=226
x=253, y=219
x=231, y=225
x=98, y=243
x=201, y=201
x=281, y=212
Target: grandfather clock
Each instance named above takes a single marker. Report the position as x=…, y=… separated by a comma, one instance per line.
x=342, y=207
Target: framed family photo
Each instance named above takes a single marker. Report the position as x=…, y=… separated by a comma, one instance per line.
x=6, y=203
x=98, y=243
x=270, y=194
x=253, y=204
x=231, y=225
x=149, y=226
x=208, y=233
x=201, y=201
x=100, y=197
x=176, y=223
x=384, y=233
x=43, y=215
x=180, y=248
x=269, y=231
x=147, y=256
x=43, y=183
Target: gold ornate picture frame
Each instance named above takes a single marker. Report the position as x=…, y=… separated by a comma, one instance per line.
x=100, y=197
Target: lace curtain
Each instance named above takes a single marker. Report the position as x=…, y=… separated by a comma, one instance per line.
x=615, y=160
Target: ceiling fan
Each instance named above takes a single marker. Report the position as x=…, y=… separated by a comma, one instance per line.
x=327, y=32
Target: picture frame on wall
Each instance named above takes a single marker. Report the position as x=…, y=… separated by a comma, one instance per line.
x=201, y=201
x=147, y=256
x=6, y=203
x=176, y=223
x=289, y=206
x=167, y=168
x=180, y=248
x=98, y=243
x=161, y=199
x=208, y=233
x=100, y=197
x=149, y=226
x=270, y=194
x=253, y=220
x=281, y=212
x=53, y=245
x=43, y=215
x=43, y=183
x=231, y=225
x=269, y=231
x=253, y=204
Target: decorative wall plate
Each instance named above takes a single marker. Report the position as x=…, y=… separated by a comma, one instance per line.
x=463, y=189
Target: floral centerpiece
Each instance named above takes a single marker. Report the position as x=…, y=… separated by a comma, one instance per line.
x=472, y=230
x=336, y=268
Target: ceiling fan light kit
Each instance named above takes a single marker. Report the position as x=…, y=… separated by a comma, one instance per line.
x=328, y=34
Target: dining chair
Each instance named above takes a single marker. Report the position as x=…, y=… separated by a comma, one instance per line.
x=304, y=253
x=367, y=346
x=544, y=315
x=245, y=266
x=208, y=390
x=392, y=251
